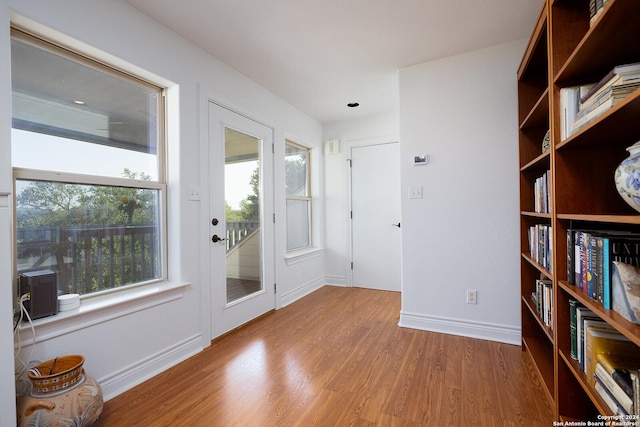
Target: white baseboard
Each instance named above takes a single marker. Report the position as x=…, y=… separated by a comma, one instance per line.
x=137, y=373
x=336, y=280
x=301, y=291
x=482, y=330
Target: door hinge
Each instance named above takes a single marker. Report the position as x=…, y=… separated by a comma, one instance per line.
x=352, y=265
x=275, y=288
x=351, y=214
x=350, y=163
x=273, y=148
x=274, y=218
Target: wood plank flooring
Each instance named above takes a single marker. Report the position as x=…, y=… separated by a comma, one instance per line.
x=338, y=358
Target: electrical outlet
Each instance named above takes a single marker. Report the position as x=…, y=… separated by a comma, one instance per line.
x=472, y=297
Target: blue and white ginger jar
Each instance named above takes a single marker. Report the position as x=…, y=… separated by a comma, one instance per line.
x=627, y=177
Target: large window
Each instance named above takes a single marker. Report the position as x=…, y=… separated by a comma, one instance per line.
x=87, y=155
x=297, y=160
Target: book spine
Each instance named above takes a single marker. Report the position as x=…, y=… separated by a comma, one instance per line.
x=584, y=270
x=614, y=389
x=608, y=398
x=599, y=270
x=573, y=304
x=606, y=272
x=577, y=260
x=635, y=378
x=618, y=377
x=591, y=262
x=570, y=257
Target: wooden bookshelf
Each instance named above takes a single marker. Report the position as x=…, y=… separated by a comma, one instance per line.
x=566, y=49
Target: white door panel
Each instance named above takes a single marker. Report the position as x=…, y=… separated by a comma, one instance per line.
x=241, y=248
x=375, y=207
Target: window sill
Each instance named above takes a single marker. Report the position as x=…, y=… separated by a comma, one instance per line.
x=100, y=309
x=303, y=255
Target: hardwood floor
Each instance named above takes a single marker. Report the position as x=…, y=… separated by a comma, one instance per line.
x=338, y=358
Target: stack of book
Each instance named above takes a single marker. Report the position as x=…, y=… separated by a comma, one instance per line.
x=609, y=360
x=540, y=237
x=590, y=257
x=595, y=9
x=582, y=104
x=542, y=299
x=541, y=193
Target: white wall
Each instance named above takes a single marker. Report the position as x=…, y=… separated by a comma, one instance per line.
x=463, y=234
x=384, y=127
x=131, y=341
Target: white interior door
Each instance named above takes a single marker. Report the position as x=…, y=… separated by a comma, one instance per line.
x=240, y=219
x=375, y=216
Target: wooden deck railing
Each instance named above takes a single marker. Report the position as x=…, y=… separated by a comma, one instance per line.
x=91, y=258
x=238, y=231
x=94, y=258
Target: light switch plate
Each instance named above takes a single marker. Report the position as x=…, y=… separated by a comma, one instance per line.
x=415, y=192
x=194, y=192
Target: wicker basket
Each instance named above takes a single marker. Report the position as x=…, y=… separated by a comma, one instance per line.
x=56, y=374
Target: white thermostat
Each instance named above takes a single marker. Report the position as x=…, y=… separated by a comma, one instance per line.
x=422, y=159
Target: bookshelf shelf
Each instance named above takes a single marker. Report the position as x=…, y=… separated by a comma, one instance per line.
x=548, y=332
x=540, y=163
x=537, y=266
x=536, y=215
x=571, y=47
x=539, y=114
x=628, y=329
x=574, y=367
x=598, y=132
x=611, y=219
x=604, y=45
x=539, y=351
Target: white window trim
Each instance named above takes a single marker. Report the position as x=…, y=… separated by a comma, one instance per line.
x=297, y=256
x=119, y=296
x=100, y=309
x=309, y=197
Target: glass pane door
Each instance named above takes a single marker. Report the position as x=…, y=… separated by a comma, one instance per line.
x=241, y=252
x=242, y=207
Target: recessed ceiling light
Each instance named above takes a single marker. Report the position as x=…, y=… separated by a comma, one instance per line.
x=78, y=102
x=353, y=105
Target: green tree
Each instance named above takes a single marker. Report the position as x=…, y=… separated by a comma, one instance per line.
x=67, y=215
x=295, y=173
x=231, y=214
x=250, y=206
x=50, y=203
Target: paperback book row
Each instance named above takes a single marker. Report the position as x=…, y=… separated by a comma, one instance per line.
x=541, y=193
x=610, y=361
x=580, y=105
x=540, y=239
x=542, y=299
x=604, y=266
x=595, y=9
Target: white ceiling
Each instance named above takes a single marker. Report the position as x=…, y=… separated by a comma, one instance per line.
x=321, y=55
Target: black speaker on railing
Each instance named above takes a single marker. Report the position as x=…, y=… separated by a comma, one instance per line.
x=42, y=287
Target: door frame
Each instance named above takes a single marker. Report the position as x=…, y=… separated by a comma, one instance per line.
x=202, y=188
x=349, y=146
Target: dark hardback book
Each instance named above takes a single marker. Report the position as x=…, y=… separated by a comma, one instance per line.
x=622, y=399
x=573, y=304
x=571, y=257
x=623, y=369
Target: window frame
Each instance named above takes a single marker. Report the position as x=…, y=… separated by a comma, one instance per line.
x=307, y=197
x=159, y=184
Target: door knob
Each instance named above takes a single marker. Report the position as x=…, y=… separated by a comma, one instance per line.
x=216, y=239
x=396, y=225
